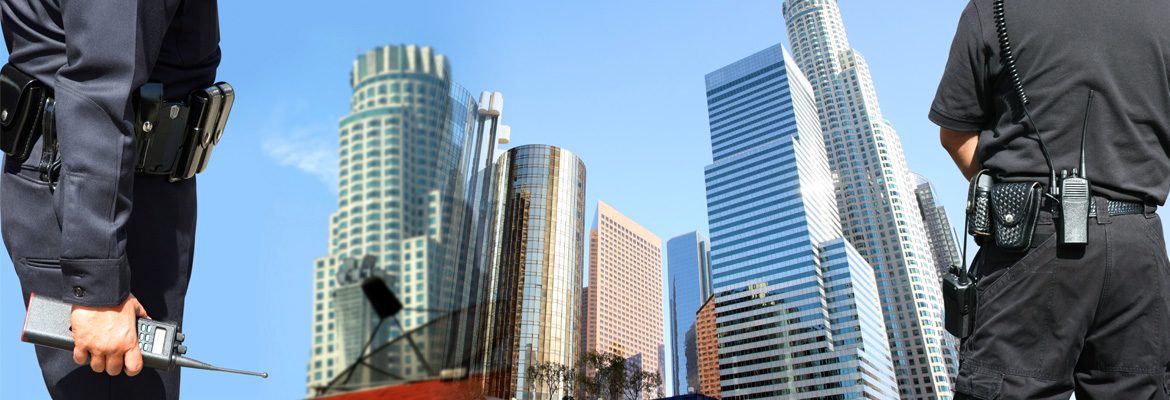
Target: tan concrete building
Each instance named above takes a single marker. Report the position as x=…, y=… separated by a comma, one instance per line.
x=708, y=349
x=624, y=302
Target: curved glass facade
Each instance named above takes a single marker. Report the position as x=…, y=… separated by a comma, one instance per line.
x=533, y=291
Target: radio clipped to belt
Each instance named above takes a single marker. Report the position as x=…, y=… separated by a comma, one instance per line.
x=174, y=139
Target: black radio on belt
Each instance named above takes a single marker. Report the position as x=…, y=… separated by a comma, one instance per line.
x=174, y=139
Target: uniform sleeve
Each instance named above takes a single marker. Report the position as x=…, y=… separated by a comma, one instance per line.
x=111, y=46
x=961, y=103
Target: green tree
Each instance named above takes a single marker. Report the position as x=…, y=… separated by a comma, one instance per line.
x=535, y=376
x=652, y=385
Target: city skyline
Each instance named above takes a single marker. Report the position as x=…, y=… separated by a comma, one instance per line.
x=277, y=128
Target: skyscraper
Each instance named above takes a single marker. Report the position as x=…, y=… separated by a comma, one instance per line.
x=411, y=171
x=688, y=284
x=796, y=306
x=875, y=197
x=533, y=291
x=943, y=244
x=624, y=305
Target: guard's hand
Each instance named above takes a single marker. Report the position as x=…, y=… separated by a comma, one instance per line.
x=108, y=337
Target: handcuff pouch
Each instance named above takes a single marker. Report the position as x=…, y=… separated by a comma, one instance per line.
x=1015, y=207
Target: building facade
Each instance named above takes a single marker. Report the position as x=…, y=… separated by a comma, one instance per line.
x=624, y=305
x=414, y=154
x=875, y=198
x=796, y=306
x=688, y=283
x=533, y=285
x=944, y=244
x=707, y=350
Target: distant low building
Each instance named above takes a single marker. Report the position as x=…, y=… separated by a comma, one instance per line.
x=708, y=350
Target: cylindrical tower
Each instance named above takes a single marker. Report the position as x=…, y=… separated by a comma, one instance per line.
x=533, y=287
x=402, y=198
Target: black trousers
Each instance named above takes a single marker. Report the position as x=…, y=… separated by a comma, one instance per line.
x=160, y=240
x=1093, y=320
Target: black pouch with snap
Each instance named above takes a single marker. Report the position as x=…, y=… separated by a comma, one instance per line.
x=22, y=102
x=1015, y=207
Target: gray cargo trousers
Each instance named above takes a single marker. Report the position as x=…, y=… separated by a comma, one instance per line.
x=1094, y=320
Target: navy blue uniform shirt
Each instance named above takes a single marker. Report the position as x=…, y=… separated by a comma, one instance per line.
x=95, y=54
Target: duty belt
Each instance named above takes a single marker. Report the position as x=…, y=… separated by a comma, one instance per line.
x=1113, y=207
x=173, y=139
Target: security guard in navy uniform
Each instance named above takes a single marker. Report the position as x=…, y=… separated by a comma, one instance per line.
x=114, y=242
x=1060, y=318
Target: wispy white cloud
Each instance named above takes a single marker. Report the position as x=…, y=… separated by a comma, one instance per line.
x=311, y=148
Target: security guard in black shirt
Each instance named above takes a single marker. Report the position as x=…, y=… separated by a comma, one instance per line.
x=114, y=242
x=1061, y=317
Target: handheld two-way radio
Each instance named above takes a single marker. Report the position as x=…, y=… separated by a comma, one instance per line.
x=1075, y=196
x=48, y=324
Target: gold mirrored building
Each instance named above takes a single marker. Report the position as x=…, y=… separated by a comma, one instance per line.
x=533, y=278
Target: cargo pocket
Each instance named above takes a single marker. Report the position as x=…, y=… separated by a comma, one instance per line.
x=978, y=383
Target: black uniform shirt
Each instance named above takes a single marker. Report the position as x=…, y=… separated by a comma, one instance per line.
x=1062, y=49
x=94, y=54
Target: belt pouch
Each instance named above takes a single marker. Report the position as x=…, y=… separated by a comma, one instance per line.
x=209, y=112
x=22, y=100
x=1015, y=208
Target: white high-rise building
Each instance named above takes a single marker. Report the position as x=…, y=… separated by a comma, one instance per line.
x=416, y=158
x=875, y=198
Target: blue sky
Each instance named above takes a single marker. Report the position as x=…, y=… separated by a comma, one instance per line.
x=618, y=83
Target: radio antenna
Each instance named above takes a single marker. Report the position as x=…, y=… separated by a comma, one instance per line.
x=1084, y=131
x=192, y=363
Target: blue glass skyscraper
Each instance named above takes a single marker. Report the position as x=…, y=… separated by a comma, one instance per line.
x=797, y=312
x=688, y=284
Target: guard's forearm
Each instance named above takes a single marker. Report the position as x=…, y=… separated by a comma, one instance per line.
x=961, y=146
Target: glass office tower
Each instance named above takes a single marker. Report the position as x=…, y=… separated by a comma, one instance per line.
x=796, y=306
x=688, y=284
x=415, y=154
x=533, y=285
x=875, y=197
